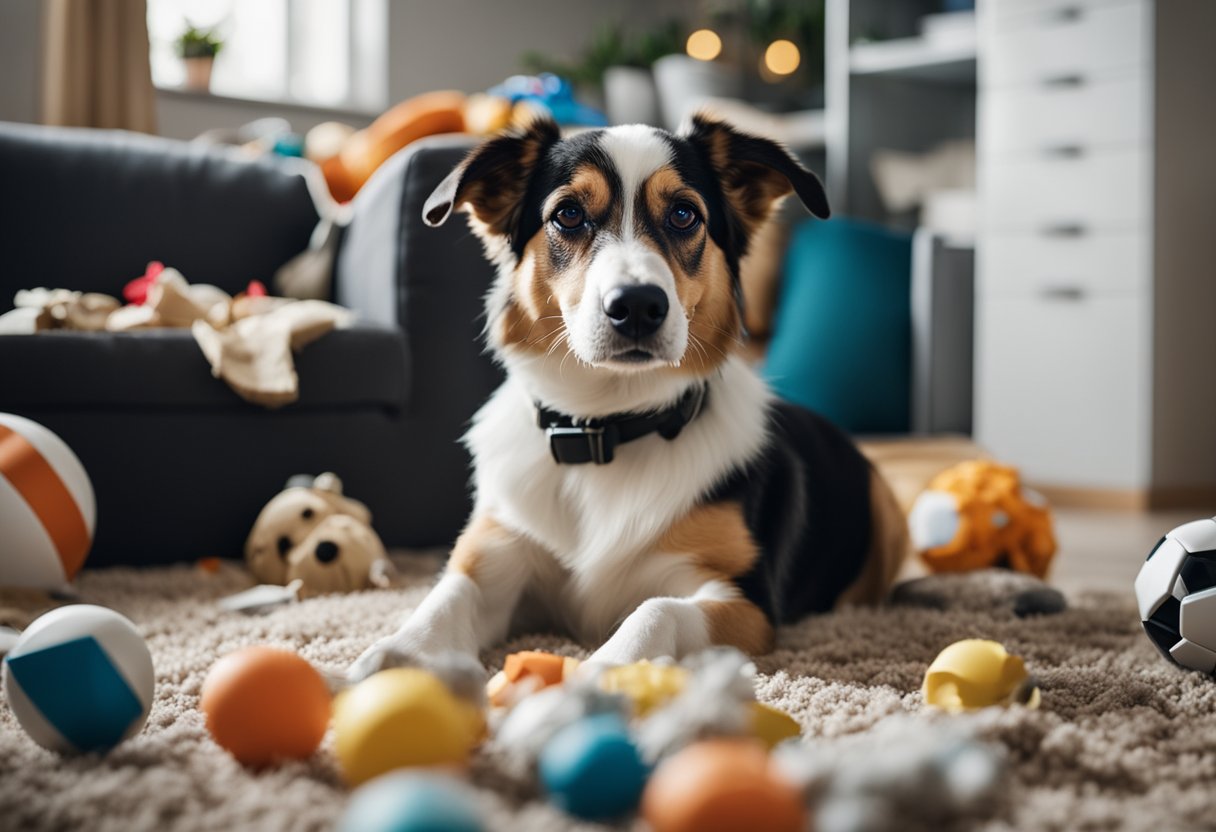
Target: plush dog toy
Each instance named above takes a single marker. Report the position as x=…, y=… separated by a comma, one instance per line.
x=313, y=533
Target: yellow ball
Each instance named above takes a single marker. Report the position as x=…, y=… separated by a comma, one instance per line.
x=400, y=718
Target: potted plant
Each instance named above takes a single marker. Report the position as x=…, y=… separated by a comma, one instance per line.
x=618, y=65
x=197, y=49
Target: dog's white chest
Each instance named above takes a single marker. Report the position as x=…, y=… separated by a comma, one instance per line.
x=601, y=523
x=581, y=513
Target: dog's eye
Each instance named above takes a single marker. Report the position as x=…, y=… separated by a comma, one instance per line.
x=569, y=217
x=683, y=217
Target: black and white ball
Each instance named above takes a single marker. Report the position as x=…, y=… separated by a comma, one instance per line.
x=1176, y=591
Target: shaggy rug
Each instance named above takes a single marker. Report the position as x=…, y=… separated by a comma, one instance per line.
x=1122, y=740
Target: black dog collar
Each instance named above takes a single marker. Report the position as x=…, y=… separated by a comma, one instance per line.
x=577, y=442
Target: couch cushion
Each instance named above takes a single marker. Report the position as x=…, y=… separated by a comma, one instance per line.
x=364, y=365
x=87, y=209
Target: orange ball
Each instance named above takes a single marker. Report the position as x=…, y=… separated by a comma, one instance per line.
x=265, y=704
x=721, y=786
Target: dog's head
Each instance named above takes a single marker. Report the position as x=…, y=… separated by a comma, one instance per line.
x=621, y=246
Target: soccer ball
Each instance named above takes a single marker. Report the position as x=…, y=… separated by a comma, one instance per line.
x=1176, y=591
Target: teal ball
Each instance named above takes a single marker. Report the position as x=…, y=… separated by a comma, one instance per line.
x=404, y=801
x=592, y=769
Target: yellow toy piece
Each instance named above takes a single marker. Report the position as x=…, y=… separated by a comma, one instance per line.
x=647, y=685
x=650, y=686
x=772, y=726
x=400, y=718
x=976, y=515
x=976, y=673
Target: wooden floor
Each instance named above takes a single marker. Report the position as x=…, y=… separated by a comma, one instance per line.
x=1105, y=549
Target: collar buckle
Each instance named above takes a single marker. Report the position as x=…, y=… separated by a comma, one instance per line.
x=581, y=444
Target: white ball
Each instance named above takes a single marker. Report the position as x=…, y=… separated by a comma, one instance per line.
x=80, y=679
x=1176, y=593
x=47, y=509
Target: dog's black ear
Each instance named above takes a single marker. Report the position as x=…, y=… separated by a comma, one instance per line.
x=754, y=172
x=493, y=179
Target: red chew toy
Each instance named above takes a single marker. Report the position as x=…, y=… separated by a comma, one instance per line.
x=136, y=291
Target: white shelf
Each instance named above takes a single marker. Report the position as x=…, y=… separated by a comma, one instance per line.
x=801, y=130
x=943, y=60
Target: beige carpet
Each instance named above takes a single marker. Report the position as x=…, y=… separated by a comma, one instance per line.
x=1123, y=740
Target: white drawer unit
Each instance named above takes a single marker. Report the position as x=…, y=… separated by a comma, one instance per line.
x=1066, y=120
x=1065, y=195
x=1072, y=392
x=1019, y=9
x=1096, y=258
x=1093, y=264
x=1067, y=43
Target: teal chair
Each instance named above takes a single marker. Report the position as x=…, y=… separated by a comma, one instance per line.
x=842, y=331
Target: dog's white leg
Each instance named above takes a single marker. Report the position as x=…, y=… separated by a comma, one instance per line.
x=471, y=606
x=658, y=627
x=676, y=627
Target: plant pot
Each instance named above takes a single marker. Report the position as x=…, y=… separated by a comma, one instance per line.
x=685, y=83
x=630, y=96
x=198, y=73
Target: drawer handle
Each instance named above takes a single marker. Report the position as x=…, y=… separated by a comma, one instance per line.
x=1064, y=81
x=1065, y=14
x=1064, y=229
x=1062, y=293
x=1064, y=151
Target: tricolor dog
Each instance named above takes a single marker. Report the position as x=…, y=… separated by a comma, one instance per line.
x=637, y=486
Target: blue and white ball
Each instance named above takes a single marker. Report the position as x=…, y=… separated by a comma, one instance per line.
x=1176, y=592
x=410, y=801
x=80, y=679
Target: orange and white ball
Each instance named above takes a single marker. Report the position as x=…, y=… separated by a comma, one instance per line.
x=47, y=508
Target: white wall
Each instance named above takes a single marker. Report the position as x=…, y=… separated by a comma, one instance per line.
x=20, y=45
x=471, y=45
x=466, y=45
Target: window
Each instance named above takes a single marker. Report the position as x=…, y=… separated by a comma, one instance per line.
x=326, y=53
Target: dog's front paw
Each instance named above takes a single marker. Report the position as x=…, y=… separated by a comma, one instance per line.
x=464, y=675
x=389, y=652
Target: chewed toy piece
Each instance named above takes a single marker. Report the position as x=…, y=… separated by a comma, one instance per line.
x=647, y=685
x=262, y=598
x=772, y=726
x=526, y=672
x=976, y=673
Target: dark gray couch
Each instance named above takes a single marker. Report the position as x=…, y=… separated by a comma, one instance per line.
x=179, y=463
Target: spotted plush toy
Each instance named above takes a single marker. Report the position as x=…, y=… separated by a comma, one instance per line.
x=313, y=533
x=978, y=515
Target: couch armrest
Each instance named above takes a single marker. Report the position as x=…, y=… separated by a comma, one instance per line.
x=392, y=268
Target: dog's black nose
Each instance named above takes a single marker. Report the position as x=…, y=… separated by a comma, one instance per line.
x=326, y=551
x=636, y=311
